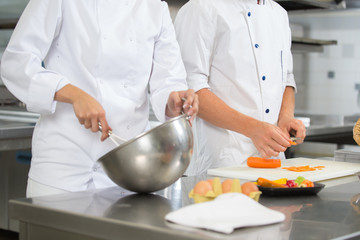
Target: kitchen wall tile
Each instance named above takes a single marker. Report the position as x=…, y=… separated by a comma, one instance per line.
x=357, y=49
x=331, y=95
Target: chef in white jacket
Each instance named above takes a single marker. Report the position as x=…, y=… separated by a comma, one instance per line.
x=87, y=61
x=238, y=60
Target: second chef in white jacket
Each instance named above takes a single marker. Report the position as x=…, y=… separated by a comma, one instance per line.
x=238, y=60
x=89, y=61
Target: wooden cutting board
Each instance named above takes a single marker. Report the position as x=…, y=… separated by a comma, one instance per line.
x=333, y=169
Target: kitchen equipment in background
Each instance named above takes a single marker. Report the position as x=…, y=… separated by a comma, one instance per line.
x=154, y=159
x=16, y=128
x=14, y=168
x=332, y=170
x=303, y=45
x=352, y=4
x=327, y=128
x=7, y=100
x=357, y=88
x=343, y=155
x=291, y=5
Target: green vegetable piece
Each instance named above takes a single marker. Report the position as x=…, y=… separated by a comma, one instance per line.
x=299, y=180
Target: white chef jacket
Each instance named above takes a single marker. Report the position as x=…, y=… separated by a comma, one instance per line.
x=240, y=50
x=115, y=50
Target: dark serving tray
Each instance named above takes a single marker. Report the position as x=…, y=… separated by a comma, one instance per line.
x=275, y=192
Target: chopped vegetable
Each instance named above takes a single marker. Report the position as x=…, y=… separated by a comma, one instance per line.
x=270, y=184
x=281, y=180
x=299, y=180
x=306, y=168
x=307, y=183
x=279, y=183
x=258, y=162
x=291, y=183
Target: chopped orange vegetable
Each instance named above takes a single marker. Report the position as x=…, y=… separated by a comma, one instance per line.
x=258, y=162
x=307, y=183
x=263, y=182
x=292, y=142
x=306, y=168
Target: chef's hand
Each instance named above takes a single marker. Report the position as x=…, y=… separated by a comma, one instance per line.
x=88, y=111
x=292, y=126
x=176, y=104
x=268, y=139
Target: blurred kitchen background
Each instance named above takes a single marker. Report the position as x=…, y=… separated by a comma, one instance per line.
x=326, y=51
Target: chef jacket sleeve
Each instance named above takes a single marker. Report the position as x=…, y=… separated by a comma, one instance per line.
x=168, y=72
x=21, y=67
x=195, y=29
x=290, y=75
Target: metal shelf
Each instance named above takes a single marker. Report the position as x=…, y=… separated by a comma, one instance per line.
x=8, y=23
x=304, y=45
x=291, y=5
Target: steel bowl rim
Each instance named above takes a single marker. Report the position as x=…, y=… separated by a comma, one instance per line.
x=141, y=135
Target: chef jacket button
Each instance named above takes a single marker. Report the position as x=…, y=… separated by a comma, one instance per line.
x=257, y=45
x=128, y=127
x=95, y=169
x=263, y=78
x=249, y=14
x=267, y=110
x=125, y=86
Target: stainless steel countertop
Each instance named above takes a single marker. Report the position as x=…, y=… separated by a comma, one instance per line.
x=115, y=213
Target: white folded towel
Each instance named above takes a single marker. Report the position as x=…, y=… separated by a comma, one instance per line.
x=226, y=213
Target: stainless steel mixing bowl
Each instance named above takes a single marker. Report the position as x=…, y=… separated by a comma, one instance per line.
x=154, y=159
